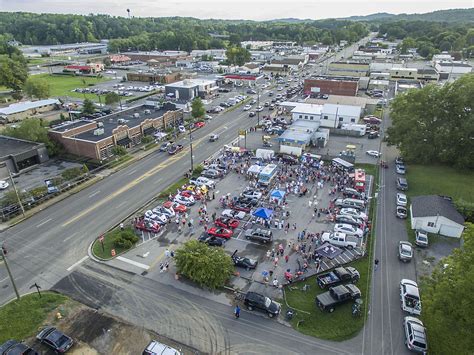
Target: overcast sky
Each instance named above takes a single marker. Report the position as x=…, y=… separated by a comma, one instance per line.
x=230, y=9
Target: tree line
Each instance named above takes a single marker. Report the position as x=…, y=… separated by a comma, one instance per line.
x=430, y=37
x=169, y=33
x=435, y=124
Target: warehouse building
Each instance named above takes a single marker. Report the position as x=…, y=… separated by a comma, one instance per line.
x=331, y=86
x=18, y=155
x=21, y=110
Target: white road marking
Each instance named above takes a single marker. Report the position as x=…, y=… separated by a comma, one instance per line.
x=94, y=193
x=44, y=222
x=6, y=278
x=77, y=263
x=121, y=204
x=132, y=262
x=131, y=172
x=71, y=236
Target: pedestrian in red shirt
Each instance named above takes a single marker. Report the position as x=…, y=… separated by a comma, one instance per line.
x=287, y=258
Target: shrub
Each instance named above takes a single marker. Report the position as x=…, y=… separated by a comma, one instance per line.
x=120, y=242
x=39, y=192
x=147, y=139
x=119, y=150
x=72, y=173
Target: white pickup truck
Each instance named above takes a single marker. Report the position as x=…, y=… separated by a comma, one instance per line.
x=410, y=297
x=340, y=240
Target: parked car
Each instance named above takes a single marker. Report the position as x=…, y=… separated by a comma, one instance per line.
x=402, y=212
x=415, y=335
x=373, y=153
x=234, y=214
x=211, y=173
x=226, y=222
x=203, y=181
x=177, y=207
x=338, y=276
x=211, y=240
x=252, y=194
x=244, y=262
x=254, y=300
x=167, y=211
x=3, y=184
x=349, y=220
x=410, y=297
x=351, y=193
x=220, y=232
x=421, y=238
x=401, y=199
x=402, y=184
x=399, y=161
x=157, y=348
x=55, y=339
x=148, y=226
x=405, y=251
x=175, y=149
x=241, y=207
x=199, y=124
x=336, y=295
x=259, y=234
x=339, y=240
x=183, y=200
x=353, y=212
x=400, y=169
x=14, y=347
x=348, y=229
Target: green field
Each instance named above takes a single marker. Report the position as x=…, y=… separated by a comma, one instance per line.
x=61, y=85
x=22, y=319
x=442, y=180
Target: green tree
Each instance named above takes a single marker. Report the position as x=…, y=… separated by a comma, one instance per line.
x=447, y=300
x=111, y=98
x=13, y=73
x=435, y=124
x=88, y=107
x=207, y=266
x=107, y=62
x=38, y=88
x=31, y=129
x=237, y=55
x=197, y=108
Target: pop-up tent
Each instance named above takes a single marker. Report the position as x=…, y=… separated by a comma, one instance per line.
x=264, y=213
x=277, y=194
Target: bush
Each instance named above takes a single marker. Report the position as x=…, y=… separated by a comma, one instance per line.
x=147, y=139
x=126, y=239
x=466, y=208
x=72, y=173
x=198, y=170
x=39, y=192
x=119, y=150
x=120, y=242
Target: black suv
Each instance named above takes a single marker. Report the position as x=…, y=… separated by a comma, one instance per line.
x=259, y=302
x=258, y=234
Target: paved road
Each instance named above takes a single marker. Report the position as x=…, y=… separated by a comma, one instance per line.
x=384, y=333
x=50, y=249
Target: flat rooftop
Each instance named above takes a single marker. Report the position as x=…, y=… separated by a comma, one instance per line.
x=13, y=146
x=112, y=121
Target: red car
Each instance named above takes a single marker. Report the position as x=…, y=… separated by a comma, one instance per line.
x=225, y=222
x=220, y=232
x=241, y=207
x=147, y=226
x=188, y=193
x=199, y=124
x=177, y=207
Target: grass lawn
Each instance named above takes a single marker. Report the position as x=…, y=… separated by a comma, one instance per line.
x=21, y=319
x=339, y=325
x=443, y=180
x=61, y=85
x=109, y=238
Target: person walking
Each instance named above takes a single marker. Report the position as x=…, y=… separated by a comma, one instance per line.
x=376, y=264
x=237, y=311
x=287, y=258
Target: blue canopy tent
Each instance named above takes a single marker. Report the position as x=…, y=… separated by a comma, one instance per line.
x=278, y=194
x=264, y=213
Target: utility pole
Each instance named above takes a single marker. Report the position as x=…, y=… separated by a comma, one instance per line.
x=4, y=254
x=258, y=107
x=191, y=146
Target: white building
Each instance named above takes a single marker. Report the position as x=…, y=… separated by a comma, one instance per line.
x=452, y=70
x=443, y=57
x=436, y=214
x=257, y=44
x=335, y=116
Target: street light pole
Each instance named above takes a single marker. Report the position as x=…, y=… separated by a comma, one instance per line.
x=191, y=147
x=258, y=107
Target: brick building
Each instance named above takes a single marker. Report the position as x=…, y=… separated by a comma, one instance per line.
x=331, y=86
x=150, y=77
x=96, y=139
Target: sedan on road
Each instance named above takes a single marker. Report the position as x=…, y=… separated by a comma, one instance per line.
x=373, y=153
x=175, y=149
x=234, y=214
x=405, y=251
x=55, y=339
x=211, y=240
x=247, y=107
x=165, y=146
x=226, y=222
x=348, y=229
x=199, y=124
x=220, y=232
x=415, y=335
x=251, y=114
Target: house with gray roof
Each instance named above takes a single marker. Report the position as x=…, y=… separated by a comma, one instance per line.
x=436, y=214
